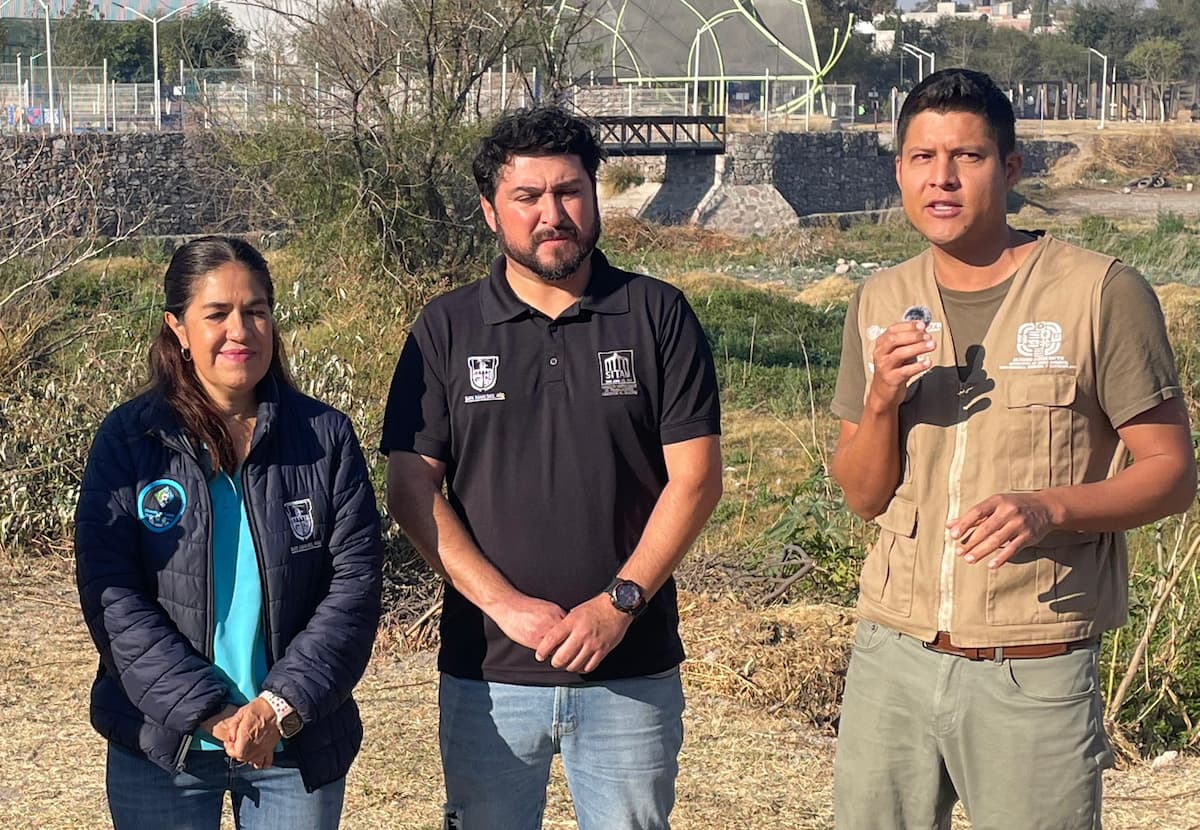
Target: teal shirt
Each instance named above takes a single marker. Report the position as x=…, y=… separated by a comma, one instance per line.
x=239, y=642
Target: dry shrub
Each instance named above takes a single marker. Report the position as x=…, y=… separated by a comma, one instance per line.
x=1138, y=154
x=827, y=292
x=629, y=235
x=1178, y=300
x=620, y=176
x=790, y=656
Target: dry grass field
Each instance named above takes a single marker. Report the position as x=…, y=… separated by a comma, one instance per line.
x=762, y=680
x=746, y=763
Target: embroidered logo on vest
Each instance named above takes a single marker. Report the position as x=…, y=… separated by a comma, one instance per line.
x=1038, y=346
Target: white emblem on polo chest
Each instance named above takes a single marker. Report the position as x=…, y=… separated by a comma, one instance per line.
x=483, y=371
x=617, y=376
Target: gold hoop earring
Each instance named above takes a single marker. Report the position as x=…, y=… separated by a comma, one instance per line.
x=187, y=355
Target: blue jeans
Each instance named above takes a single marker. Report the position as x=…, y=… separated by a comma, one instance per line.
x=619, y=742
x=141, y=795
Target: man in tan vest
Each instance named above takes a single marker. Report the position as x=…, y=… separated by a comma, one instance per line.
x=990, y=394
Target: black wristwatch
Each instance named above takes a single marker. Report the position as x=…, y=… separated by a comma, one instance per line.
x=627, y=596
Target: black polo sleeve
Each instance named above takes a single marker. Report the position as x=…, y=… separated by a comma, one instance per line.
x=690, y=405
x=417, y=417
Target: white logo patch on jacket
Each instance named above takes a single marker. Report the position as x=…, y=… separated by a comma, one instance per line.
x=300, y=517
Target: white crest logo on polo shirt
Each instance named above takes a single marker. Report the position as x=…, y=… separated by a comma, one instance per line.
x=483, y=372
x=300, y=517
x=1038, y=347
x=616, y=373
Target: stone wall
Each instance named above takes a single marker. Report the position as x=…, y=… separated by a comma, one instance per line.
x=769, y=181
x=687, y=181
x=171, y=184
x=1041, y=154
x=96, y=184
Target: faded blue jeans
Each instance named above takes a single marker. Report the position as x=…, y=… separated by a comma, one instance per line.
x=619, y=742
x=142, y=796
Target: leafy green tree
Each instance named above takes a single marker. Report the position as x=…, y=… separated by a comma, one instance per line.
x=1176, y=20
x=1060, y=58
x=959, y=42
x=205, y=39
x=130, y=49
x=1157, y=61
x=1112, y=27
x=1010, y=57
x=1039, y=15
x=861, y=65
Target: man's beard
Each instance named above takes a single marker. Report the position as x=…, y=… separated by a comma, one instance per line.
x=562, y=268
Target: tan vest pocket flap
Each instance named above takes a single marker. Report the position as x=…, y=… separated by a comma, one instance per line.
x=900, y=517
x=1049, y=389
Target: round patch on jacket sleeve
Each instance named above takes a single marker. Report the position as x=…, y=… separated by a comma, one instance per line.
x=161, y=504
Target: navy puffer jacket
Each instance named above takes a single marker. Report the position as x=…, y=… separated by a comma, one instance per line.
x=143, y=567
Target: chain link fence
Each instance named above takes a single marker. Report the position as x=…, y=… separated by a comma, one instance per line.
x=253, y=95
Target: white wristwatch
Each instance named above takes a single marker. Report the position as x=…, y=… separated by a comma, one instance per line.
x=286, y=716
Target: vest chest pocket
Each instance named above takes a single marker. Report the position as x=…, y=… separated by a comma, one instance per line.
x=887, y=576
x=1040, y=425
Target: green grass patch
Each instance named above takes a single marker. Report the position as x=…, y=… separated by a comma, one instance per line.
x=770, y=350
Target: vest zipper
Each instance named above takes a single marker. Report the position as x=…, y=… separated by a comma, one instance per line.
x=945, y=613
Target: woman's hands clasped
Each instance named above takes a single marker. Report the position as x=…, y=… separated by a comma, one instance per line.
x=249, y=733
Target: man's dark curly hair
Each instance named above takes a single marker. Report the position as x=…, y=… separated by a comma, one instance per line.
x=962, y=90
x=538, y=131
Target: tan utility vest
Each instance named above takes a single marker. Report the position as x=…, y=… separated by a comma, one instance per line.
x=1026, y=418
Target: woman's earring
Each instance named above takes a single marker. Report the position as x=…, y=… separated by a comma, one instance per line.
x=187, y=355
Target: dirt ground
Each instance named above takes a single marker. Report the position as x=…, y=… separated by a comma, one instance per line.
x=743, y=765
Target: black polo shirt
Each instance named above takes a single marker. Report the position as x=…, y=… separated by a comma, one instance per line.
x=552, y=434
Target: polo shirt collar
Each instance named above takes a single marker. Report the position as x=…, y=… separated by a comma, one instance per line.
x=607, y=292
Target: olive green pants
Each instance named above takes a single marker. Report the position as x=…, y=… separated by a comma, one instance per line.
x=1020, y=742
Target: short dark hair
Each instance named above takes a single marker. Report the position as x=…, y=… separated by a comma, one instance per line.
x=962, y=90
x=537, y=131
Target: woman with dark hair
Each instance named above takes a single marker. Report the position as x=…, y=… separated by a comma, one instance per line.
x=228, y=562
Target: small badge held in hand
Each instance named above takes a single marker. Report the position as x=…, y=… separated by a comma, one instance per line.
x=918, y=314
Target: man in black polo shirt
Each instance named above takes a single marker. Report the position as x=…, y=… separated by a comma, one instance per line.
x=571, y=410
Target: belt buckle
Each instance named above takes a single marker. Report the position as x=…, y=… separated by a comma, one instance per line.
x=933, y=645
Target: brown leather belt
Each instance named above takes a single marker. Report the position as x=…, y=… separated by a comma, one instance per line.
x=942, y=645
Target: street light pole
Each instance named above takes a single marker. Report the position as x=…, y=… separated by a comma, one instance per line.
x=1103, y=86
x=49, y=63
x=919, y=53
x=29, y=82
x=154, y=21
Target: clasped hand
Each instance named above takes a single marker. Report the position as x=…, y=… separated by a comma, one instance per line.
x=249, y=733
x=574, y=641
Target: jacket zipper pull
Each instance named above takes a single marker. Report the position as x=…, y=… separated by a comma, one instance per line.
x=181, y=756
